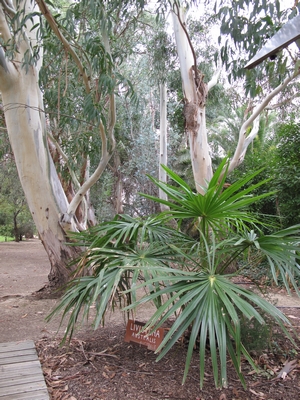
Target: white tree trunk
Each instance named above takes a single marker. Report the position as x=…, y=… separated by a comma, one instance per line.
x=106, y=135
x=25, y=121
x=195, y=93
x=163, y=153
x=53, y=214
x=118, y=190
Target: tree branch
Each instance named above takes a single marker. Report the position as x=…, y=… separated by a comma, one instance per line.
x=8, y=7
x=240, y=149
x=7, y=69
x=112, y=121
x=4, y=28
x=65, y=158
x=188, y=38
x=283, y=102
x=215, y=78
x=45, y=11
x=94, y=177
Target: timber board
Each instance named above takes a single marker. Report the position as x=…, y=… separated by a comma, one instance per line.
x=18, y=380
x=17, y=359
x=21, y=376
x=41, y=395
x=13, y=367
x=26, y=344
x=16, y=353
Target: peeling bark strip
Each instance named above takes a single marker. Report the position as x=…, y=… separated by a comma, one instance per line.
x=190, y=115
x=201, y=87
x=195, y=94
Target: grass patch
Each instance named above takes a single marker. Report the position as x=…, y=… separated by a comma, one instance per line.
x=6, y=239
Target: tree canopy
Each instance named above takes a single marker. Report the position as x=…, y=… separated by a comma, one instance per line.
x=90, y=122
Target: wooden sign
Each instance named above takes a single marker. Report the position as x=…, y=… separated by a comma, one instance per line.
x=134, y=334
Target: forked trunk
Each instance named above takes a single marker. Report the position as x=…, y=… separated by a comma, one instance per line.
x=46, y=199
x=25, y=121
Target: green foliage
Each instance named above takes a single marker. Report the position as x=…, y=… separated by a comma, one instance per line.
x=15, y=217
x=128, y=71
x=258, y=336
x=115, y=252
x=161, y=54
x=287, y=173
x=188, y=279
x=248, y=25
x=278, y=151
x=5, y=239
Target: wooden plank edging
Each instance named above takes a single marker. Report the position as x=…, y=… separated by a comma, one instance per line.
x=21, y=375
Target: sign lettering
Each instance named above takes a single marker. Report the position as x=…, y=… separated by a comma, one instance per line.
x=134, y=334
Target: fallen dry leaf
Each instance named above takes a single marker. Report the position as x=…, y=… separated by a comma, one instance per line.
x=252, y=372
x=292, y=316
x=258, y=394
x=288, y=367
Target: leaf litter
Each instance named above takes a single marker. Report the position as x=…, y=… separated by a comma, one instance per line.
x=99, y=365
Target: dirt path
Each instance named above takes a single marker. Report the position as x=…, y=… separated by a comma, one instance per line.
x=100, y=365
x=24, y=268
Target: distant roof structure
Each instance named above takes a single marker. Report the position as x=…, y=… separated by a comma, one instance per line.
x=289, y=33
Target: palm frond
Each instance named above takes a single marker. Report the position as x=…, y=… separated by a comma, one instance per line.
x=210, y=304
x=218, y=207
x=186, y=278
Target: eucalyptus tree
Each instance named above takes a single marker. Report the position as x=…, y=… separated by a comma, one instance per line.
x=70, y=140
x=161, y=55
x=80, y=39
x=236, y=20
x=220, y=102
x=137, y=129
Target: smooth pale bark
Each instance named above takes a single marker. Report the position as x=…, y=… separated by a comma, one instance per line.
x=106, y=134
x=195, y=93
x=42, y=188
x=118, y=190
x=253, y=122
x=53, y=212
x=163, y=156
x=25, y=121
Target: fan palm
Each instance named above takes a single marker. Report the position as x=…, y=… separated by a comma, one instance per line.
x=116, y=251
x=184, y=276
